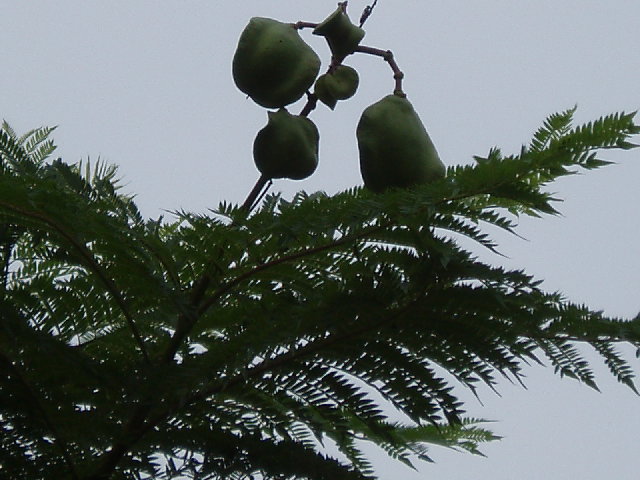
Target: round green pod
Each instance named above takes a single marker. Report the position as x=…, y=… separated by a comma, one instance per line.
x=321, y=90
x=342, y=36
x=395, y=148
x=272, y=64
x=343, y=82
x=339, y=84
x=287, y=147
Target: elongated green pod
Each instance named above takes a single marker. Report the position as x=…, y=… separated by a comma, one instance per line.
x=395, y=148
x=272, y=64
x=342, y=36
x=287, y=147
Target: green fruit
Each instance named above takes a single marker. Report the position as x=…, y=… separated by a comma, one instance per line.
x=321, y=90
x=339, y=84
x=342, y=36
x=272, y=64
x=287, y=147
x=395, y=149
x=343, y=82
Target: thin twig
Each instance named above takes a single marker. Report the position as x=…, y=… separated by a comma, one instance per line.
x=312, y=101
x=262, y=194
x=387, y=56
x=255, y=193
x=368, y=10
x=300, y=25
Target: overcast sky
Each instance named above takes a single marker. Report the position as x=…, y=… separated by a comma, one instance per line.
x=147, y=85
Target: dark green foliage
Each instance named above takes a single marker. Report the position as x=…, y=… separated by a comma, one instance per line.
x=229, y=345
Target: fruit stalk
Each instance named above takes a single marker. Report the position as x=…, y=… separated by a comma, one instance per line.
x=312, y=101
x=300, y=25
x=387, y=56
x=258, y=188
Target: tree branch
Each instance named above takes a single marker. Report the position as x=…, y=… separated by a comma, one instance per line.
x=387, y=56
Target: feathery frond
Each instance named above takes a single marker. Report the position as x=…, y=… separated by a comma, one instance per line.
x=230, y=345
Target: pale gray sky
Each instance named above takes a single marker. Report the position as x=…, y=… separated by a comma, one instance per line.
x=147, y=85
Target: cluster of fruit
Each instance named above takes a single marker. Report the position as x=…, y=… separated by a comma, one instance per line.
x=275, y=67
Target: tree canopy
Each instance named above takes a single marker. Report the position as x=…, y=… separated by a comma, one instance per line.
x=233, y=344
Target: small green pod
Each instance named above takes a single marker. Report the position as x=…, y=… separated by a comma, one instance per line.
x=272, y=64
x=287, y=147
x=339, y=84
x=395, y=148
x=342, y=36
x=322, y=91
x=343, y=82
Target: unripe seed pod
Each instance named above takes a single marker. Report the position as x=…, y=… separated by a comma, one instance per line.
x=342, y=36
x=272, y=64
x=343, y=82
x=287, y=147
x=395, y=148
x=339, y=84
x=322, y=91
